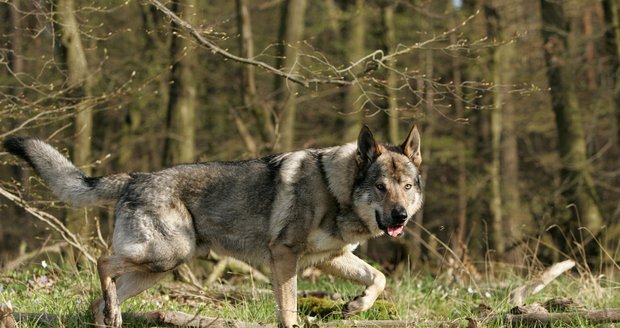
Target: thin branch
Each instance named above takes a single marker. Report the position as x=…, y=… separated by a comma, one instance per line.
x=217, y=50
x=51, y=221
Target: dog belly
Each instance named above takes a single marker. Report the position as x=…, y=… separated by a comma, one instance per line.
x=240, y=237
x=252, y=255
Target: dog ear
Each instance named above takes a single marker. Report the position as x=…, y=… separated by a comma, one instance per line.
x=367, y=149
x=411, y=146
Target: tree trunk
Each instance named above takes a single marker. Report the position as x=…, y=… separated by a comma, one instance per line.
x=514, y=222
x=80, y=83
x=353, y=38
x=612, y=37
x=458, y=243
x=179, y=145
x=425, y=84
x=15, y=56
x=290, y=33
x=261, y=113
x=578, y=187
x=388, y=40
x=133, y=124
x=495, y=206
x=79, y=80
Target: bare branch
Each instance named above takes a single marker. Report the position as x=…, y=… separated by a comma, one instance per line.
x=217, y=50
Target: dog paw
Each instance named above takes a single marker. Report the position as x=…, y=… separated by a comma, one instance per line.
x=113, y=319
x=112, y=316
x=357, y=305
x=97, y=309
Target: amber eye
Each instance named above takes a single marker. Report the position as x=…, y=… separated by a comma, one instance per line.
x=408, y=186
x=380, y=186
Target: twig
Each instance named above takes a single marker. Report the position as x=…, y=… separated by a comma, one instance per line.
x=217, y=50
x=519, y=294
x=51, y=221
x=611, y=315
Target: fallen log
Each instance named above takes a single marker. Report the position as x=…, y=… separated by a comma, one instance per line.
x=189, y=320
x=538, y=319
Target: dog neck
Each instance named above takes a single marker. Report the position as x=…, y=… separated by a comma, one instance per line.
x=340, y=170
x=351, y=228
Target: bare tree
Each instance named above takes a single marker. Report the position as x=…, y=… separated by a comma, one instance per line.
x=578, y=187
x=258, y=109
x=504, y=21
x=290, y=33
x=79, y=80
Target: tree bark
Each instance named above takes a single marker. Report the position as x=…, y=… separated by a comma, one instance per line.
x=179, y=145
x=290, y=33
x=578, y=187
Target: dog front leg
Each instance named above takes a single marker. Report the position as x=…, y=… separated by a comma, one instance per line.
x=351, y=267
x=284, y=276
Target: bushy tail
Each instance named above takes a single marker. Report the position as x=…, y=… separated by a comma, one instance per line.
x=65, y=180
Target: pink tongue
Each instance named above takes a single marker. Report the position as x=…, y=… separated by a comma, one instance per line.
x=394, y=231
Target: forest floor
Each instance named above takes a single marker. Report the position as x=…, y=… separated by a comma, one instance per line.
x=419, y=299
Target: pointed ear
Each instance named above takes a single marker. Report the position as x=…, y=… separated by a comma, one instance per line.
x=411, y=146
x=367, y=149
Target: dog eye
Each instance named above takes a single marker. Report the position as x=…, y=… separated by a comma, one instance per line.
x=408, y=186
x=380, y=186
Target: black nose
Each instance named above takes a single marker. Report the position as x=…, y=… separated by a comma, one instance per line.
x=399, y=214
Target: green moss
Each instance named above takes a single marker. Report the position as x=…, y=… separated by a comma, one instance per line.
x=328, y=309
x=323, y=308
x=382, y=310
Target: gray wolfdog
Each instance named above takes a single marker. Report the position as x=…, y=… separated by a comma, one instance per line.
x=305, y=208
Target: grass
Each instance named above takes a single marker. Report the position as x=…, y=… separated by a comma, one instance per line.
x=53, y=288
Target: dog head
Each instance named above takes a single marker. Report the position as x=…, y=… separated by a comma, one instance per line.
x=388, y=188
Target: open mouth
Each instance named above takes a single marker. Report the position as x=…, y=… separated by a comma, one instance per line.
x=393, y=230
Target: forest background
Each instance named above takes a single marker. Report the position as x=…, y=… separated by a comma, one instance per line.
x=518, y=103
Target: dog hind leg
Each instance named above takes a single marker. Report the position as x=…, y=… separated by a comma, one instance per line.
x=131, y=277
x=127, y=285
x=109, y=268
x=351, y=267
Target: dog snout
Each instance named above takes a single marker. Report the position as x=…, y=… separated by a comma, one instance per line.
x=399, y=214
